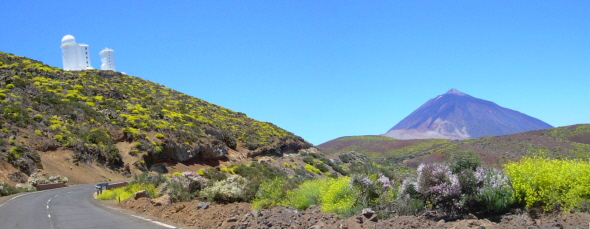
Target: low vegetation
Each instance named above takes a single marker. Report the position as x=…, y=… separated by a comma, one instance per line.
x=45, y=108
x=550, y=184
x=6, y=190
x=123, y=193
x=454, y=189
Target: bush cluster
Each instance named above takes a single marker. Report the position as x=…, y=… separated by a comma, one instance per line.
x=550, y=184
x=228, y=190
x=269, y=194
x=332, y=194
x=343, y=196
x=6, y=190
x=183, y=186
x=465, y=190
x=90, y=111
x=127, y=192
x=455, y=188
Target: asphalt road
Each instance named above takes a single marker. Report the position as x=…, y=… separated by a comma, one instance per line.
x=65, y=208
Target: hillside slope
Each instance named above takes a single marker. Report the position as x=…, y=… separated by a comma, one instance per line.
x=456, y=115
x=89, y=112
x=562, y=142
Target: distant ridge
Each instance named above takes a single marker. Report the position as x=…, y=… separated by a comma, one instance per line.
x=456, y=115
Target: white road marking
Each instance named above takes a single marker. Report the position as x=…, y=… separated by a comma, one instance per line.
x=153, y=221
x=15, y=198
x=49, y=215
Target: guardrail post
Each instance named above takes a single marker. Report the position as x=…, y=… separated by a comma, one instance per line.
x=99, y=187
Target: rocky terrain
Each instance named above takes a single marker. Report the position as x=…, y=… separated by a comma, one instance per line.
x=102, y=125
x=197, y=214
x=456, y=115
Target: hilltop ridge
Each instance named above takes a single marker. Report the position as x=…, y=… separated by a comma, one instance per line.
x=90, y=112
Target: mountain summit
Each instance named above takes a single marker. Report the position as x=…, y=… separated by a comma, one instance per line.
x=454, y=91
x=456, y=115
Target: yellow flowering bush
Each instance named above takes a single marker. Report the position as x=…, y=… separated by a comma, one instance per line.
x=307, y=194
x=334, y=195
x=550, y=183
x=269, y=194
x=127, y=192
x=338, y=196
x=312, y=169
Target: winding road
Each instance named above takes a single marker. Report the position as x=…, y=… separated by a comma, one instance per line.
x=67, y=208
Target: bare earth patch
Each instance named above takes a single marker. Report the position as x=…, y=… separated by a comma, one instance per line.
x=5, y=170
x=59, y=162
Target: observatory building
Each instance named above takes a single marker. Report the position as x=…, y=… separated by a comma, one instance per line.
x=74, y=56
x=107, y=58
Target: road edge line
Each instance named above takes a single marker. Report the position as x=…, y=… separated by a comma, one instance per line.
x=143, y=218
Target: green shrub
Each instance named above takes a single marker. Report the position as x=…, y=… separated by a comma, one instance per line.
x=465, y=160
x=477, y=191
x=127, y=192
x=323, y=168
x=214, y=174
x=145, y=178
x=373, y=190
x=550, y=184
x=184, y=186
x=97, y=136
x=15, y=153
x=495, y=195
x=306, y=195
x=309, y=160
x=338, y=197
x=270, y=194
x=177, y=192
x=257, y=173
x=311, y=169
x=409, y=206
x=338, y=168
x=6, y=190
x=346, y=158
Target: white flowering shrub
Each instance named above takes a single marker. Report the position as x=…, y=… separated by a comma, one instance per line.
x=228, y=190
x=183, y=186
x=36, y=178
x=472, y=190
x=384, y=181
x=437, y=183
x=495, y=193
x=373, y=191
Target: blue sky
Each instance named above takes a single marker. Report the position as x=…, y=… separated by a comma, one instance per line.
x=326, y=69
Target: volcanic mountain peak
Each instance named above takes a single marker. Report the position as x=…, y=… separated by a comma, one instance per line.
x=456, y=115
x=454, y=91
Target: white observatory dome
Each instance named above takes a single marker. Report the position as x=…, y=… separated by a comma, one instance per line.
x=68, y=39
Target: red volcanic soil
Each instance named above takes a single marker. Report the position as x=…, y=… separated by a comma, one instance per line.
x=582, y=138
